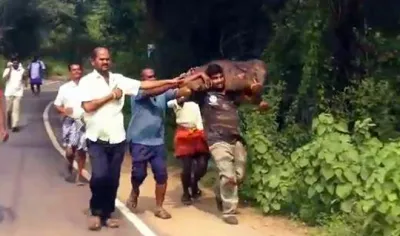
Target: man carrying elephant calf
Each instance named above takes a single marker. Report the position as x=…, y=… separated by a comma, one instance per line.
x=219, y=109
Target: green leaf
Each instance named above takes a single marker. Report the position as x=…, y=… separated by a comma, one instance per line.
x=392, y=197
x=319, y=188
x=341, y=127
x=315, y=162
x=351, y=154
x=364, y=174
x=327, y=172
x=390, y=162
x=311, y=192
x=338, y=173
x=378, y=192
x=367, y=205
x=350, y=176
x=273, y=182
x=310, y=179
x=344, y=190
x=266, y=208
x=276, y=206
x=395, y=210
x=303, y=162
x=330, y=188
x=383, y=208
x=346, y=206
x=261, y=147
x=359, y=190
x=321, y=130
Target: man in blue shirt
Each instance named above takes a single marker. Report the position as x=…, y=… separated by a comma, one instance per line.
x=146, y=140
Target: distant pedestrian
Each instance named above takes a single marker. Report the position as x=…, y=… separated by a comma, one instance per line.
x=102, y=94
x=15, y=81
x=36, y=73
x=68, y=104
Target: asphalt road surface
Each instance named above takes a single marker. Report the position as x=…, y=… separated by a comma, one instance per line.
x=34, y=198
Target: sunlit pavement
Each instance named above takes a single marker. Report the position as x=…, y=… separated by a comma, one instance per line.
x=34, y=198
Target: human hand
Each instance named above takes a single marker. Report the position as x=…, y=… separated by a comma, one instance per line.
x=177, y=81
x=192, y=70
x=117, y=93
x=263, y=106
x=68, y=111
x=206, y=80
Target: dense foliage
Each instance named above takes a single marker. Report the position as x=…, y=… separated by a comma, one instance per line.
x=327, y=151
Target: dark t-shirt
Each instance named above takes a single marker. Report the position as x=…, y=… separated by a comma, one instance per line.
x=220, y=116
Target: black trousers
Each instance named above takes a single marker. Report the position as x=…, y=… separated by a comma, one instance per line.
x=193, y=169
x=35, y=88
x=106, y=160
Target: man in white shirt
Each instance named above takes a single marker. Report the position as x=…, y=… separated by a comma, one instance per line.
x=190, y=147
x=102, y=99
x=68, y=104
x=15, y=80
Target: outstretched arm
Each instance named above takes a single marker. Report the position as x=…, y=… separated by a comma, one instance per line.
x=195, y=76
x=179, y=81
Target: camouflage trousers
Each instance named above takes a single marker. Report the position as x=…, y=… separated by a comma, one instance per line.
x=230, y=160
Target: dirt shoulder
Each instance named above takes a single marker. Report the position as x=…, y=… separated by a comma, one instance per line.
x=202, y=218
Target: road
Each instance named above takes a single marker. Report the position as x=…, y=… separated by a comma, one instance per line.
x=34, y=198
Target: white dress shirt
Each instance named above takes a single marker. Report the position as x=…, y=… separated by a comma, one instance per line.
x=188, y=115
x=14, y=85
x=68, y=96
x=107, y=123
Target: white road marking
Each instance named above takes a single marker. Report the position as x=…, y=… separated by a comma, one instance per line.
x=134, y=219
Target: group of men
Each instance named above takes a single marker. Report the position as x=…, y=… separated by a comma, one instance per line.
x=16, y=78
x=207, y=125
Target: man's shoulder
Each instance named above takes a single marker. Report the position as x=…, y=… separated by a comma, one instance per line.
x=118, y=75
x=88, y=78
x=66, y=85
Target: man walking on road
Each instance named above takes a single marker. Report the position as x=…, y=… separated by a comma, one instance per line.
x=15, y=80
x=146, y=139
x=68, y=104
x=102, y=95
x=219, y=109
x=36, y=71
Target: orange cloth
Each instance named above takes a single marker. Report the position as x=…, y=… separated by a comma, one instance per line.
x=189, y=142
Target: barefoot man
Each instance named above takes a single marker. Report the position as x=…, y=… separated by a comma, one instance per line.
x=102, y=95
x=146, y=139
x=68, y=104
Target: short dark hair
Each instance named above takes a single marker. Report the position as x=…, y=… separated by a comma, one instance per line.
x=14, y=57
x=74, y=63
x=96, y=50
x=214, y=69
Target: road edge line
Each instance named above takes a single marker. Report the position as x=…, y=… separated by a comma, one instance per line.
x=131, y=217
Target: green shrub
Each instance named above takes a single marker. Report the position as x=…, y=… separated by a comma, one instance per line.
x=338, y=171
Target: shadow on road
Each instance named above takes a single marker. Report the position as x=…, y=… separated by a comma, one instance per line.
x=7, y=213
